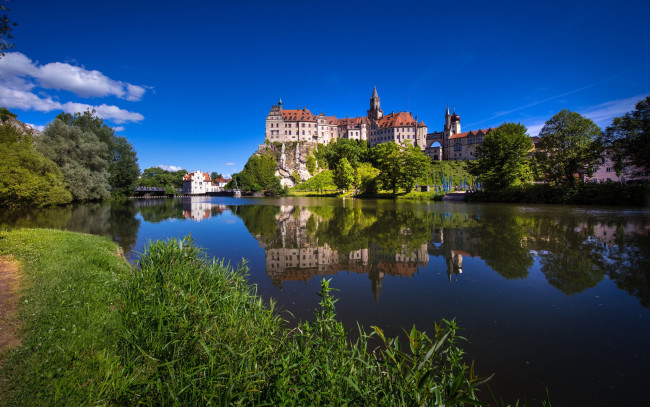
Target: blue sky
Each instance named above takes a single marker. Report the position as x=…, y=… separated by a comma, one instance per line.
x=190, y=84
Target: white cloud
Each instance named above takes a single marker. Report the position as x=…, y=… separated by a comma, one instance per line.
x=603, y=113
x=118, y=128
x=231, y=164
x=24, y=100
x=36, y=127
x=64, y=76
x=533, y=129
x=172, y=168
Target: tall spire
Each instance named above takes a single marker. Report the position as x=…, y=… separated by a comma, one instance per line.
x=374, y=92
x=447, y=110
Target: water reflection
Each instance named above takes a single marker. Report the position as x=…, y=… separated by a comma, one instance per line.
x=574, y=248
x=574, y=252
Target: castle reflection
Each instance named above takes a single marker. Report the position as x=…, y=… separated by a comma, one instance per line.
x=312, y=242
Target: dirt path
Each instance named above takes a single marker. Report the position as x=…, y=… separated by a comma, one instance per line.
x=9, y=278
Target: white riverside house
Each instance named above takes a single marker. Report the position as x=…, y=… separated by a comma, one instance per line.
x=198, y=182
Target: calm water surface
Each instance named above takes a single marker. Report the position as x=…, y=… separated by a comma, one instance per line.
x=548, y=296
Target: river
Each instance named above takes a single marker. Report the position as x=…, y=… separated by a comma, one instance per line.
x=553, y=297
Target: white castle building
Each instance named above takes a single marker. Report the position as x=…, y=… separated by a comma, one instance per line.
x=302, y=125
x=198, y=182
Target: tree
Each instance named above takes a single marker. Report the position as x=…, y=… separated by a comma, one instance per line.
x=27, y=178
x=157, y=177
x=569, y=145
x=629, y=136
x=344, y=174
x=215, y=176
x=353, y=151
x=5, y=31
x=400, y=166
x=259, y=175
x=82, y=158
x=502, y=157
x=122, y=159
x=311, y=164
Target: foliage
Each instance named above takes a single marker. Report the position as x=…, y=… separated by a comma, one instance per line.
x=629, y=136
x=607, y=193
x=82, y=158
x=569, y=145
x=343, y=174
x=5, y=31
x=354, y=151
x=296, y=176
x=439, y=170
x=157, y=177
x=311, y=164
x=320, y=153
x=502, y=157
x=214, y=176
x=366, y=178
x=400, y=166
x=319, y=182
x=27, y=178
x=6, y=114
x=122, y=159
x=259, y=175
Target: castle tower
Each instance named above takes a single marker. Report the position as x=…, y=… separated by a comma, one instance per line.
x=375, y=112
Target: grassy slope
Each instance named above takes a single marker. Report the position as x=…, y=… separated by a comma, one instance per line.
x=70, y=322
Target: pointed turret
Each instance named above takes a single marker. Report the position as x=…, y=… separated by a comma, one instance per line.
x=375, y=113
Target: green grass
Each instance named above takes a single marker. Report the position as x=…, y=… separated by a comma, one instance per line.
x=183, y=329
x=71, y=325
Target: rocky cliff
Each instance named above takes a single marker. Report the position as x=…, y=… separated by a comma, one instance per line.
x=290, y=158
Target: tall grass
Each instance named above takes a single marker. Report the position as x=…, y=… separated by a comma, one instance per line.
x=197, y=333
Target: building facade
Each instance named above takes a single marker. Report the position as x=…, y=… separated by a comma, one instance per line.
x=198, y=182
x=451, y=143
x=605, y=171
x=301, y=125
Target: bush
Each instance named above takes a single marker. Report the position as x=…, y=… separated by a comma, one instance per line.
x=607, y=193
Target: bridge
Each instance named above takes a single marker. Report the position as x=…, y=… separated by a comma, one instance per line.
x=149, y=191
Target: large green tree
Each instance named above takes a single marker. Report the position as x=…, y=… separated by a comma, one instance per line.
x=258, y=175
x=502, y=157
x=27, y=178
x=355, y=151
x=344, y=174
x=82, y=158
x=629, y=136
x=569, y=145
x=400, y=165
x=121, y=158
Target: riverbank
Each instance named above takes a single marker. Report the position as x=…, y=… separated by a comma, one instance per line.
x=185, y=329
x=608, y=193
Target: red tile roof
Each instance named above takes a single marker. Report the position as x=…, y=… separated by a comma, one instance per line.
x=398, y=119
x=188, y=177
x=303, y=115
x=352, y=121
x=479, y=132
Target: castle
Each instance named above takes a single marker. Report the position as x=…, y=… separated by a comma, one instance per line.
x=301, y=125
